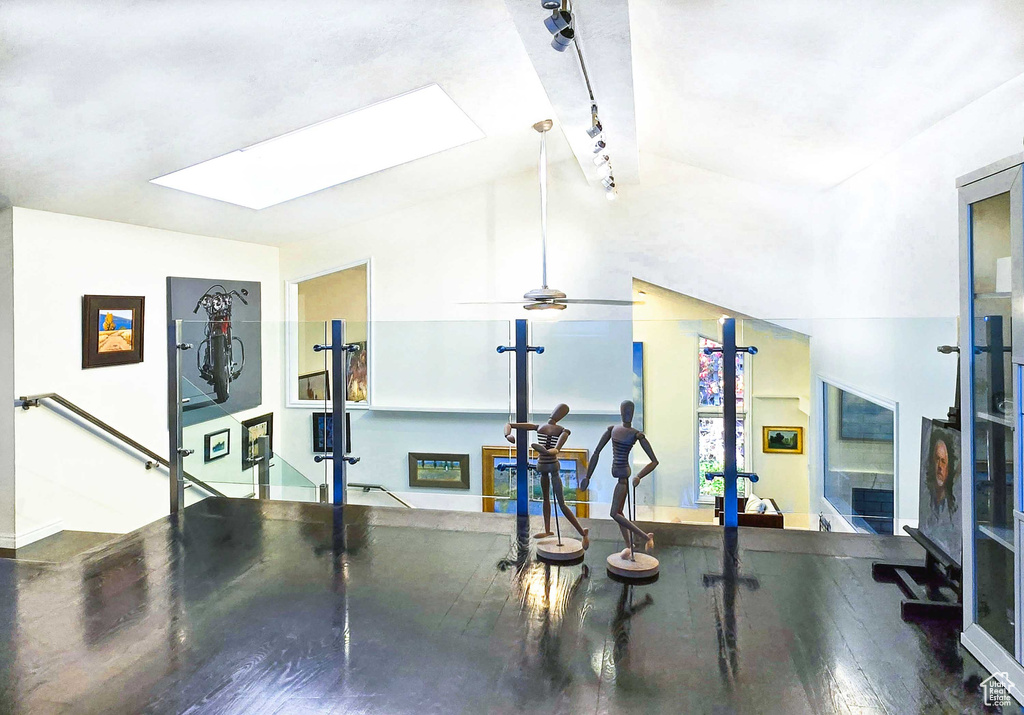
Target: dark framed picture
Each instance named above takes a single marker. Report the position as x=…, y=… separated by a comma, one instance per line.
x=253, y=432
x=323, y=432
x=782, y=440
x=112, y=330
x=440, y=471
x=216, y=445
x=315, y=386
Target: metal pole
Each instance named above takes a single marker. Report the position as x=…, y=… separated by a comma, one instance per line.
x=730, y=504
x=339, y=366
x=522, y=415
x=176, y=453
x=263, y=467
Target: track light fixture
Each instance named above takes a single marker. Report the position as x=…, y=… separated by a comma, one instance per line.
x=599, y=145
x=601, y=159
x=595, y=131
x=608, y=182
x=611, y=194
x=559, y=20
x=550, y=4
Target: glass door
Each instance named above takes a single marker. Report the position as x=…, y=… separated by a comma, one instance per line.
x=991, y=234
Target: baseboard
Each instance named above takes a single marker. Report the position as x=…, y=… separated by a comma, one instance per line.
x=18, y=541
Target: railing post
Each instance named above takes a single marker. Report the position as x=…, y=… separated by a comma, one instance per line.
x=175, y=455
x=339, y=450
x=522, y=350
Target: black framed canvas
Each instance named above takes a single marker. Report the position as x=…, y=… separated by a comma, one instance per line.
x=113, y=330
x=216, y=445
x=323, y=432
x=439, y=471
x=252, y=430
x=315, y=386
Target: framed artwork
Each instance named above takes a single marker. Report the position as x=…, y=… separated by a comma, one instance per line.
x=216, y=445
x=113, y=328
x=638, y=385
x=440, y=471
x=863, y=420
x=499, y=480
x=315, y=386
x=323, y=432
x=941, y=491
x=782, y=440
x=358, y=374
x=224, y=370
x=252, y=431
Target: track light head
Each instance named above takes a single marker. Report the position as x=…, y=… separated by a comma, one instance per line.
x=611, y=194
x=599, y=145
x=561, y=41
x=559, y=20
x=595, y=131
x=550, y=4
x=601, y=159
x=608, y=182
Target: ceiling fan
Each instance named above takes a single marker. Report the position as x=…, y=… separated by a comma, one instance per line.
x=545, y=298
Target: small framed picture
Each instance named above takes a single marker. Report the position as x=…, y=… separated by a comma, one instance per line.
x=252, y=432
x=112, y=330
x=216, y=445
x=782, y=440
x=315, y=386
x=323, y=432
x=440, y=471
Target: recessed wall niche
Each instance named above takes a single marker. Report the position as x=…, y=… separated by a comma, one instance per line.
x=341, y=293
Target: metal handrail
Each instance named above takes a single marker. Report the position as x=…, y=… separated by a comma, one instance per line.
x=30, y=401
x=368, y=487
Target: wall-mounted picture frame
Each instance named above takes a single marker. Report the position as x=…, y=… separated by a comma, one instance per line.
x=113, y=330
x=438, y=471
x=252, y=431
x=216, y=445
x=323, y=432
x=782, y=440
x=315, y=386
x=499, y=480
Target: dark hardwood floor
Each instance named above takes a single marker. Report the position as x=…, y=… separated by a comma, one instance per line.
x=258, y=607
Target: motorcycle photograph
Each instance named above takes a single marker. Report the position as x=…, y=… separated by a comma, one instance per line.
x=216, y=355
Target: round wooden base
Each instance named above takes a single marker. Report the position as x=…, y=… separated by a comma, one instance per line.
x=550, y=550
x=642, y=566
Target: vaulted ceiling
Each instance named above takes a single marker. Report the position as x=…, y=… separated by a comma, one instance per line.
x=97, y=97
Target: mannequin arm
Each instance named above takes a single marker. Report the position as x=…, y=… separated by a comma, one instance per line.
x=593, y=460
x=650, y=453
x=556, y=449
x=509, y=426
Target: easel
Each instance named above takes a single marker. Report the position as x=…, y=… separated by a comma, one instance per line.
x=922, y=583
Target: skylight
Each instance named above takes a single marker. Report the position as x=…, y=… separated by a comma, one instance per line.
x=398, y=130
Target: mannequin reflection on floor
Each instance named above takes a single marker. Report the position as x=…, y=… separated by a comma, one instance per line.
x=624, y=612
x=623, y=437
x=551, y=438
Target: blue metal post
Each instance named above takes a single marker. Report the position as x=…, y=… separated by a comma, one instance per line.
x=730, y=505
x=339, y=367
x=522, y=350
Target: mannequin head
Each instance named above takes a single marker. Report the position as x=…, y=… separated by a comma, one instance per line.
x=626, y=409
x=559, y=412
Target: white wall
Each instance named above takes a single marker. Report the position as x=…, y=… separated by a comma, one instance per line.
x=66, y=477
x=7, y=484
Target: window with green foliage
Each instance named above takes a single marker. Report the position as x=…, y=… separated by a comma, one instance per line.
x=711, y=422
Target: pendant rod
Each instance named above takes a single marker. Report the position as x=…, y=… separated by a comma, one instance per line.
x=544, y=207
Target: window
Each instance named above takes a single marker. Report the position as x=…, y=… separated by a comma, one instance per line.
x=711, y=421
x=859, y=460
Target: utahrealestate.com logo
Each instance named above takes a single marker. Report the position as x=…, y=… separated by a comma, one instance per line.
x=995, y=690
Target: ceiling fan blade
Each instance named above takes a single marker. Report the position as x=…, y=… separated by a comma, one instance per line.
x=584, y=301
x=496, y=302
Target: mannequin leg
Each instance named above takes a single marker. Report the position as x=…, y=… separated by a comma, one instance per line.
x=545, y=488
x=625, y=525
x=560, y=498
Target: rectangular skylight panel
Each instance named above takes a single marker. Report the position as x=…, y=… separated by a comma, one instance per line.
x=398, y=130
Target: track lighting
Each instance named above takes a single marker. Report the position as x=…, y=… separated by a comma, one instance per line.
x=561, y=41
x=559, y=20
x=608, y=182
x=611, y=194
x=599, y=145
x=595, y=131
x=601, y=159
x=550, y=4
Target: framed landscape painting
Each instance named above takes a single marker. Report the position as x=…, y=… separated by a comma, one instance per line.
x=782, y=440
x=441, y=471
x=112, y=330
x=216, y=445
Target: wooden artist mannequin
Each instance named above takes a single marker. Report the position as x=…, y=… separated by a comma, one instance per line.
x=623, y=437
x=551, y=438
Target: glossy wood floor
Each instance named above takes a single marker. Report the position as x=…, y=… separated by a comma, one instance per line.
x=249, y=607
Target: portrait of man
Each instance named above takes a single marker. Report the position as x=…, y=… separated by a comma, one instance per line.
x=939, y=508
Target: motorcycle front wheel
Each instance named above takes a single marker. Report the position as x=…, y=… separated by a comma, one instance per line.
x=221, y=367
